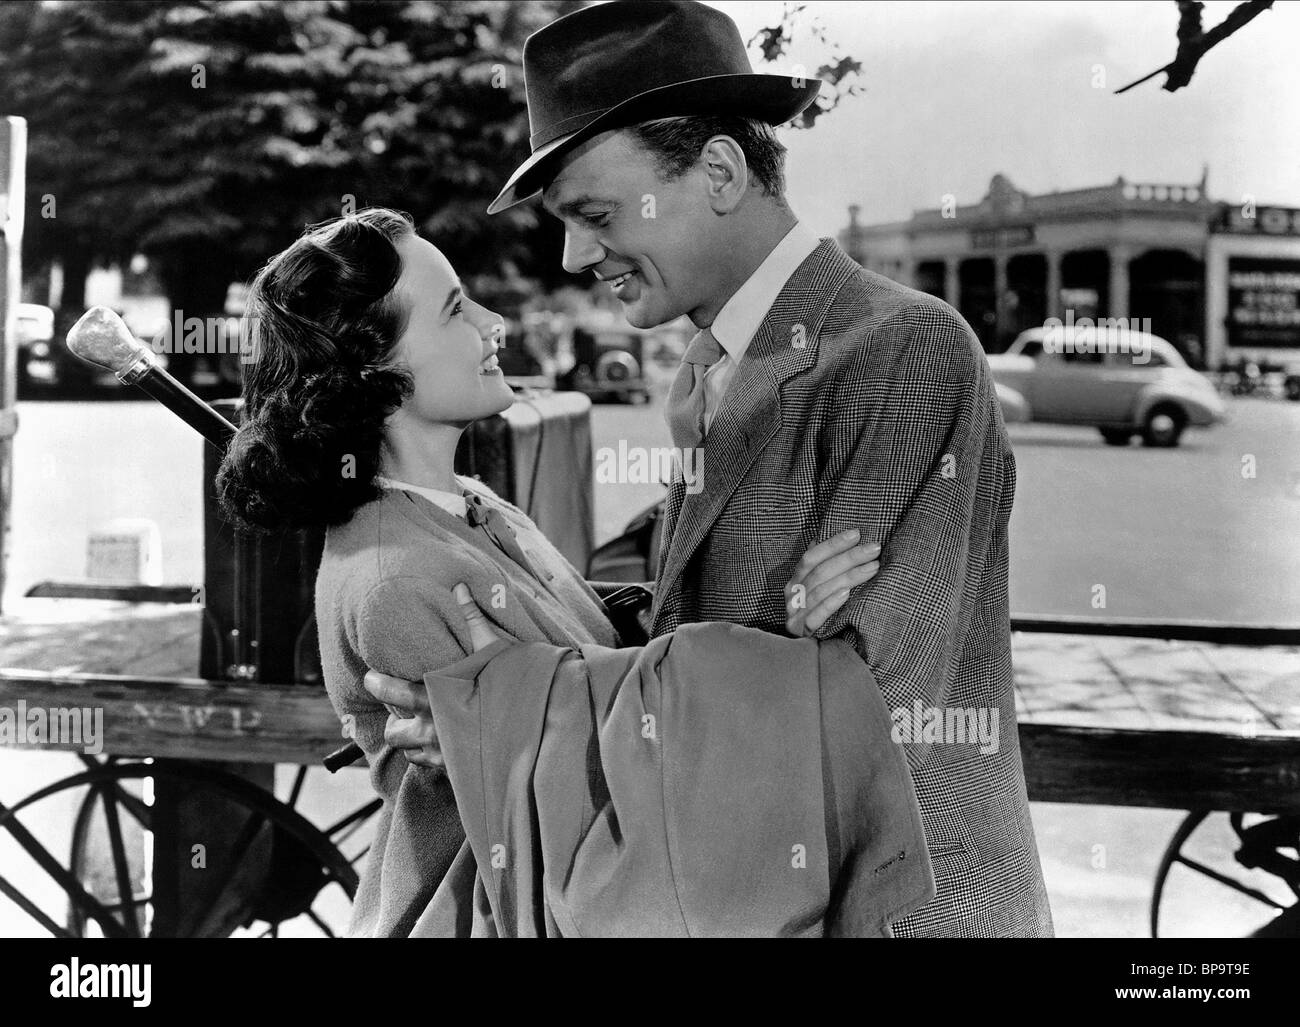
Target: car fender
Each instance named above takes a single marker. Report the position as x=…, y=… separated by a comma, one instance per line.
x=1015, y=408
x=1194, y=409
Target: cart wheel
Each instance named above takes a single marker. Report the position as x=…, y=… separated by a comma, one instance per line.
x=105, y=883
x=1250, y=861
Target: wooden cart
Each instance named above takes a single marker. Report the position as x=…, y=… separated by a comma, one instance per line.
x=1179, y=716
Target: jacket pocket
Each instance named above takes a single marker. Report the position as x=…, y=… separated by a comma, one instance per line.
x=947, y=848
x=950, y=837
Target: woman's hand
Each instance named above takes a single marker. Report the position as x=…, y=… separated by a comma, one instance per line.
x=823, y=579
x=410, y=722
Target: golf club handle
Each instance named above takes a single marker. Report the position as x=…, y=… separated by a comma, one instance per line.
x=161, y=386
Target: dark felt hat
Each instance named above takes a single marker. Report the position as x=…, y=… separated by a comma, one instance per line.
x=628, y=61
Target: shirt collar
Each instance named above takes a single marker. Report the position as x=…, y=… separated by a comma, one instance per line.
x=739, y=319
x=452, y=502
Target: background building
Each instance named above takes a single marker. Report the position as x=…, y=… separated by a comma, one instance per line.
x=1137, y=250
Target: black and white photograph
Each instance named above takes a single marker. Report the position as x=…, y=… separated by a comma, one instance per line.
x=651, y=469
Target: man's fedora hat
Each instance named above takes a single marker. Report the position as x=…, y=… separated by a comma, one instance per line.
x=628, y=61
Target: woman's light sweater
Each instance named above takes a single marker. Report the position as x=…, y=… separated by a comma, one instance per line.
x=384, y=602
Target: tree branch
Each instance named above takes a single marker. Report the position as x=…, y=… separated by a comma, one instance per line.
x=1193, y=42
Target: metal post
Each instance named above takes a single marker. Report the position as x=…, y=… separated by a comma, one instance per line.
x=13, y=187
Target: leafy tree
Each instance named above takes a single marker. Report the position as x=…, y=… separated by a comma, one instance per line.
x=206, y=133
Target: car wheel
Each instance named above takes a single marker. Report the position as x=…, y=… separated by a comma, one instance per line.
x=1164, y=425
x=1116, y=436
x=1293, y=387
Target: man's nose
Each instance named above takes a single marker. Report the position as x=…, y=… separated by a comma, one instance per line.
x=581, y=251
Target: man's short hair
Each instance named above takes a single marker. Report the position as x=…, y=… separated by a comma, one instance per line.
x=675, y=144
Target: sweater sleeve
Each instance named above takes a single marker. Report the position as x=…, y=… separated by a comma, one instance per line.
x=401, y=626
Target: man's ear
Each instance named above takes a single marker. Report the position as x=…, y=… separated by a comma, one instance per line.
x=727, y=173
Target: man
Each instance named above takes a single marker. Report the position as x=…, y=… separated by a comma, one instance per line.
x=825, y=397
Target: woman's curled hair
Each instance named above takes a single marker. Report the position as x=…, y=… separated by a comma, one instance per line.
x=323, y=319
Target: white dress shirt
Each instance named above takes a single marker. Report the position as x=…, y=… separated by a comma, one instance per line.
x=738, y=320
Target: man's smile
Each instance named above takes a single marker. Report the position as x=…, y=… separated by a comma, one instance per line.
x=626, y=286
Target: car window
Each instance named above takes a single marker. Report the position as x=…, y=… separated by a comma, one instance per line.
x=1081, y=358
x=1126, y=360
x=1033, y=349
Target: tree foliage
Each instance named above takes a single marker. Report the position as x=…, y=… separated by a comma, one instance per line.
x=206, y=134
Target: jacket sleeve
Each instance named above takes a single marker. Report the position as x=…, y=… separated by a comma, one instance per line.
x=917, y=459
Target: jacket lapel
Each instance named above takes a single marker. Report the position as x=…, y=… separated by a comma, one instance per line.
x=784, y=345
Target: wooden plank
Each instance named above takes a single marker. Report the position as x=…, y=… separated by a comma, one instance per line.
x=188, y=718
x=295, y=724
x=1212, y=632
x=183, y=594
x=1166, y=769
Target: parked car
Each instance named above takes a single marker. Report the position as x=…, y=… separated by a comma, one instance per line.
x=608, y=364
x=35, y=335
x=1065, y=383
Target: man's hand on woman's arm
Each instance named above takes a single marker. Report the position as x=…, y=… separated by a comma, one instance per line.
x=820, y=586
x=410, y=724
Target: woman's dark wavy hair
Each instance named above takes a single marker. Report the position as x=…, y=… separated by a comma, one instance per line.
x=324, y=319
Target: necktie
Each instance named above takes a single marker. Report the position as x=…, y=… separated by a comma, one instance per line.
x=480, y=515
x=685, y=408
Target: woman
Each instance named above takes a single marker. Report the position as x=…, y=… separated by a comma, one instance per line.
x=369, y=361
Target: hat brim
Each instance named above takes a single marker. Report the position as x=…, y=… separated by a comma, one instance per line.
x=774, y=99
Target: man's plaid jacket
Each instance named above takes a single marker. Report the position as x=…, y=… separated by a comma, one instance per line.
x=862, y=403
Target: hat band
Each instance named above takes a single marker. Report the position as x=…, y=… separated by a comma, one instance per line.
x=565, y=127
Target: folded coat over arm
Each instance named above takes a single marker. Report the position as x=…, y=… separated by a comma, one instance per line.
x=719, y=781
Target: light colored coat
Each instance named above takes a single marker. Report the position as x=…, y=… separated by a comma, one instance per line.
x=717, y=782
x=864, y=404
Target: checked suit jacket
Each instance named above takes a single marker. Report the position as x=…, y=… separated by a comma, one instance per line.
x=863, y=403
